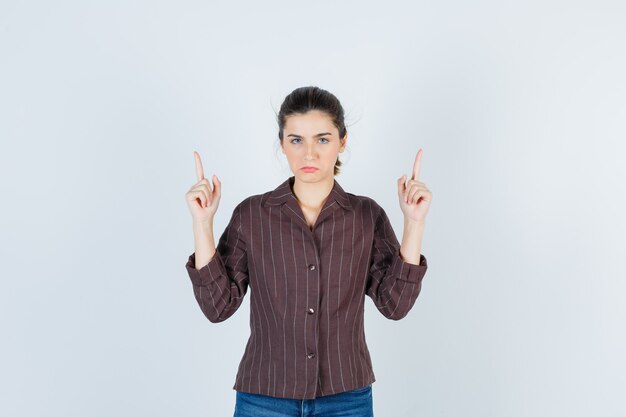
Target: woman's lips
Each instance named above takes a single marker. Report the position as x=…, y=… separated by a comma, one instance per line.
x=309, y=169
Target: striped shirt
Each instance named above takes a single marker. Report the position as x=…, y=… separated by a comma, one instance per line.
x=308, y=286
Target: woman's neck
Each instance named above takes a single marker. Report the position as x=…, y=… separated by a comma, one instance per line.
x=312, y=195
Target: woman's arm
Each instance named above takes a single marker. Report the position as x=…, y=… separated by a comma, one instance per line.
x=220, y=279
x=219, y=274
x=393, y=283
x=411, y=247
x=415, y=198
x=204, y=242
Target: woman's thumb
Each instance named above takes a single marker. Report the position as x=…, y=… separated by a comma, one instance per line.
x=217, y=185
x=401, y=182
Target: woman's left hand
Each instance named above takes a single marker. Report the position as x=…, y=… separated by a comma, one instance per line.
x=414, y=196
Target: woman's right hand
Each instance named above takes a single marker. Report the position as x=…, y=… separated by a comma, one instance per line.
x=201, y=199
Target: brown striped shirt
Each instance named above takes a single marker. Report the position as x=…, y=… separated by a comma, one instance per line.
x=308, y=289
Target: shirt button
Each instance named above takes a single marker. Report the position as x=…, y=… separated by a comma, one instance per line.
x=310, y=355
x=311, y=267
x=311, y=311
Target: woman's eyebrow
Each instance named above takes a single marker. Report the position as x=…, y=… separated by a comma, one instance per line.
x=316, y=136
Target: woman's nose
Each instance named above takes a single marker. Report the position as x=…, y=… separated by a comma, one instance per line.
x=310, y=153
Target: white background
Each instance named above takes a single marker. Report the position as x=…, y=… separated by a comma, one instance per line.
x=520, y=110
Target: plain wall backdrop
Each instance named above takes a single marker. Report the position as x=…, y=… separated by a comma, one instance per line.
x=520, y=109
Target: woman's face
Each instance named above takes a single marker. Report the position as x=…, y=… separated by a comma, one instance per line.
x=311, y=140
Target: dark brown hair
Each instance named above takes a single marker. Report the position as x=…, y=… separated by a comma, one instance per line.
x=304, y=99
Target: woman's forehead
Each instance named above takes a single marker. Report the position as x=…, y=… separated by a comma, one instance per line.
x=310, y=123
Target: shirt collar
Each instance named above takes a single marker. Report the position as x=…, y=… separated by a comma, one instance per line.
x=283, y=193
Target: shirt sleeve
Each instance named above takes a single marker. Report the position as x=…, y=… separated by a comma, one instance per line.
x=392, y=283
x=220, y=286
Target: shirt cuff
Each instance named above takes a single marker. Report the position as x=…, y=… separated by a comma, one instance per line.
x=208, y=273
x=409, y=272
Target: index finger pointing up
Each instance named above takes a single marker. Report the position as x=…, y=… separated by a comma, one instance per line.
x=416, y=165
x=199, y=169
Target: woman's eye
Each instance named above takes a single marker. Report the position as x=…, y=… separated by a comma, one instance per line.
x=292, y=140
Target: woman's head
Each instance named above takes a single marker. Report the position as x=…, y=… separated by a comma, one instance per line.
x=312, y=132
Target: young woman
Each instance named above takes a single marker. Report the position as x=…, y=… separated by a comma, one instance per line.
x=311, y=252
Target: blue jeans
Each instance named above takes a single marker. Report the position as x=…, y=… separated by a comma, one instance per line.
x=354, y=403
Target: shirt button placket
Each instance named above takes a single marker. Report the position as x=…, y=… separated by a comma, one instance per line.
x=311, y=310
x=312, y=330
x=313, y=323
